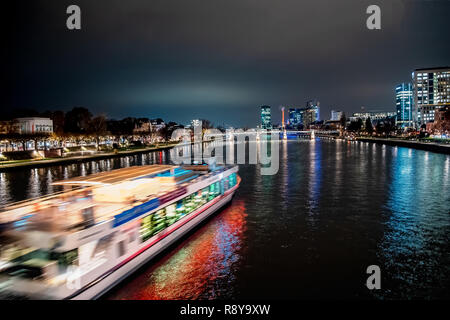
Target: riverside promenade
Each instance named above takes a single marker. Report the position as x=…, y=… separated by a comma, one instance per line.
x=13, y=165
x=427, y=146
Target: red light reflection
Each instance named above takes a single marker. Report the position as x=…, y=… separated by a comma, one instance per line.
x=198, y=267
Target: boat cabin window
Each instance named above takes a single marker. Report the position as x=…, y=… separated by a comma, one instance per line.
x=132, y=236
x=63, y=258
x=121, y=248
x=67, y=258
x=156, y=222
x=23, y=271
x=36, y=263
x=88, y=217
x=232, y=180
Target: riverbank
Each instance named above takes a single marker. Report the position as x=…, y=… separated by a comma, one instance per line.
x=19, y=164
x=427, y=146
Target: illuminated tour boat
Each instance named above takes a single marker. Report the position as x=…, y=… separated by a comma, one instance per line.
x=79, y=243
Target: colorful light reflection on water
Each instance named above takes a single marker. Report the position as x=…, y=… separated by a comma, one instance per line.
x=200, y=267
x=310, y=231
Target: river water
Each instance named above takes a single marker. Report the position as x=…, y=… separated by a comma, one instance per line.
x=310, y=231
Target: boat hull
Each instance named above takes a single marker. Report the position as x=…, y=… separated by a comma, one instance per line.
x=107, y=282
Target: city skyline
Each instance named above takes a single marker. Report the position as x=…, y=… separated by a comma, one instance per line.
x=225, y=158
x=156, y=67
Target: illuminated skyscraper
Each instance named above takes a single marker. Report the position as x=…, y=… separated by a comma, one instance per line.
x=266, y=119
x=295, y=116
x=336, y=115
x=431, y=91
x=304, y=116
x=404, y=103
x=311, y=113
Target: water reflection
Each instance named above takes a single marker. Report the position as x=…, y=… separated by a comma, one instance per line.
x=311, y=230
x=417, y=235
x=202, y=267
x=284, y=171
x=33, y=184
x=49, y=181
x=315, y=175
x=4, y=188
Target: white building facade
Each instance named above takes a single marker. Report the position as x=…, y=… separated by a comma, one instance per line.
x=34, y=125
x=336, y=115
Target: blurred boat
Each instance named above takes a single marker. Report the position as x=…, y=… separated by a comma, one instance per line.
x=79, y=243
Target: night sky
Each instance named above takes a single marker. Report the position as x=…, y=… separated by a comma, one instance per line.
x=216, y=59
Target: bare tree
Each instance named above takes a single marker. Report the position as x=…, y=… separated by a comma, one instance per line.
x=97, y=128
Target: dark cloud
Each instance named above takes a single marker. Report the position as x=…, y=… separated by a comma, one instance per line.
x=217, y=59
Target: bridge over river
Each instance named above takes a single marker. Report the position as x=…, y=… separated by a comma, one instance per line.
x=258, y=133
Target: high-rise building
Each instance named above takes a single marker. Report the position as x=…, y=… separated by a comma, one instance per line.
x=336, y=115
x=404, y=103
x=295, y=117
x=311, y=113
x=309, y=117
x=431, y=91
x=315, y=106
x=266, y=119
x=304, y=116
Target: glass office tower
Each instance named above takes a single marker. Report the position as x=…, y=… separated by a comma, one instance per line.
x=266, y=119
x=295, y=117
x=304, y=116
x=404, y=103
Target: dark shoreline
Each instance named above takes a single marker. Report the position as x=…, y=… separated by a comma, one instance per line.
x=433, y=147
x=71, y=160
